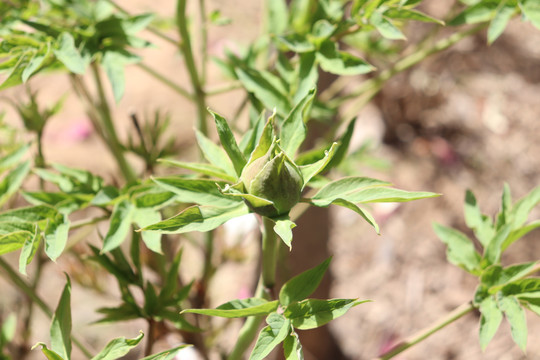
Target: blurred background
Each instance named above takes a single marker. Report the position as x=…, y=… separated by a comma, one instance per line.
x=467, y=118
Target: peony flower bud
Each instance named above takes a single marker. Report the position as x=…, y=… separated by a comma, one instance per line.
x=275, y=178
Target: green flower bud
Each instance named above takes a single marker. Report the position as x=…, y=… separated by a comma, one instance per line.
x=273, y=177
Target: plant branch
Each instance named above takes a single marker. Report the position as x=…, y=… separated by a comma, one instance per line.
x=166, y=81
x=108, y=126
x=204, y=39
x=371, y=87
x=458, y=313
x=220, y=89
x=186, y=49
x=249, y=329
x=28, y=291
x=264, y=288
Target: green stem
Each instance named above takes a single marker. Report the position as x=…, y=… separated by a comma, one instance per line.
x=371, y=87
x=458, y=313
x=108, y=126
x=220, y=89
x=166, y=81
x=269, y=255
x=28, y=291
x=185, y=47
x=204, y=40
x=264, y=289
x=249, y=329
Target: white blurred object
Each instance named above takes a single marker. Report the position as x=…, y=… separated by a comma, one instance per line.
x=239, y=228
x=189, y=353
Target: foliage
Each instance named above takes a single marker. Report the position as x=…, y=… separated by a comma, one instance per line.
x=272, y=171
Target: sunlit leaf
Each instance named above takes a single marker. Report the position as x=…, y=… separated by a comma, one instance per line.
x=302, y=285
x=489, y=321
x=61, y=324
x=117, y=348
x=198, y=218
x=239, y=308
x=270, y=336
x=460, y=251
x=313, y=313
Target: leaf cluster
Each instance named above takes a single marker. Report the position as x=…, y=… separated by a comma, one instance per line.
x=69, y=34
x=220, y=195
x=502, y=290
x=497, y=14
x=61, y=342
x=292, y=311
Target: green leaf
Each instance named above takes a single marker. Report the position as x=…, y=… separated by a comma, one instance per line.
x=343, y=188
x=56, y=236
x=461, y=251
x=29, y=250
x=120, y=226
x=167, y=354
x=171, y=280
x=117, y=348
x=204, y=169
x=49, y=354
x=523, y=287
x=342, y=147
x=277, y=16
x=14, y=77
x=239, y=308
x=302, y=285
x=386, y=27
x=7, y=330
x=292, y=349
x=68, y=54
x=295, y=42
x=531, y=9
x=265, y=88
x=270, y=336
x=313, y=313
x=198, y=218
x=29, y=214
x=496, y=27
x=407, y=14
x=35, y=63
x=384, y=194
x=229, y=143
x=61, y=324
x=494, y=249
x=144, y=217
x=522, y=208
x=496, y=275
x=481, y=224
x=13, y=241
x=13, y=157
x=340, y=63
x=284, y=228
x=199, y=191
x=113, y=63
x=362, y=212
x=253, y=135
x=489, y=321
x=308, y=74
x=516, y=317
x=519, y=233
x=309, y=171
x=478, y=13
x=293, y=130
x=13, y=181
x=154, y=198
x=215, y=154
